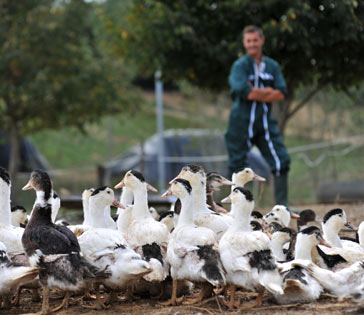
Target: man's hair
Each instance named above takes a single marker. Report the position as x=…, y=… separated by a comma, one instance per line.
x=252, y=29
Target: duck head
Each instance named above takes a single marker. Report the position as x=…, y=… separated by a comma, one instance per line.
x=133, y=180
x=242, y=199
x=243, y=176
x=214, y=181
x=195, y=174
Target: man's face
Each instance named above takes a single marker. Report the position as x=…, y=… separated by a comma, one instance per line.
x=253, y=44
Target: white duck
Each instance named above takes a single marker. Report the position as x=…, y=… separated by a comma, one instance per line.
x=12, y=275
x=145, y=235
x=108, y=250
x=9, y=235
x=241, y=177
x=279, y=239
x=19, y=216
x=298, y=285
x=86, y=194
x=192, y=250
x=246, y=255
x=350, y=251
x=344, y=282
x=203, y=216
x=167, y=218
x=283, y=214
x=333, y=222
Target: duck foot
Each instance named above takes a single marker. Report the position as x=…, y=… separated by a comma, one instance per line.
x=100, y=304
x=258, y=302
x=130, y=294
x=35, y=295
x=16, y=299
x=170, y=302
x=206, y=291
x=64, y=303
x=113, y=297
x=7, y=302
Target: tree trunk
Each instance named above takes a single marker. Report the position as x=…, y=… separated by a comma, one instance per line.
x=281, y=111
x=14, y=151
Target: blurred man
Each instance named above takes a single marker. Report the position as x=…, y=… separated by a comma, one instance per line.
x=256, y=81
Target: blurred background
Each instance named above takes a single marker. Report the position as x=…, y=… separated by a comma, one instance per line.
x=77, y=91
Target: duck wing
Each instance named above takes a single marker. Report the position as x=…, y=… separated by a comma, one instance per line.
x=50, y=239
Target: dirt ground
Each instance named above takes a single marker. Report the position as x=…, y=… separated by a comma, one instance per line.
x=325, y=305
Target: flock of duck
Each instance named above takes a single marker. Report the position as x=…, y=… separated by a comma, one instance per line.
x=166, y=256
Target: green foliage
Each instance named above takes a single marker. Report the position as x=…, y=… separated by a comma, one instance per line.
x=314, y=41
x=53, y=71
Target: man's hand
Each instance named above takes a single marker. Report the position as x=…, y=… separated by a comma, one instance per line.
x=266, y=95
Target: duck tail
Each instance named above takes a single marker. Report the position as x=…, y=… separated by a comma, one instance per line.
x=152, y=253
x=24, y=274
x=212, y=269
x=271, y=280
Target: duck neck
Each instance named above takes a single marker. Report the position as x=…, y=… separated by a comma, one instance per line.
x=97, y=216
x=241, y=221
x=5, y=216
x=110, y=223
x=41, y=199
x=277, y=243
x=126, y=197
x=86, y=212
x=41, y=215
x=331, y=235
x=140, y=207
x=55, y=208
x=199, y=200
x=361, y=234
x=302, y=249
x=238, y=182
x=186, y=214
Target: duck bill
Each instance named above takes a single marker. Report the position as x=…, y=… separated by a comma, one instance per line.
x=294, y=215
x=178, y=176
x=27, y=186
x=151, y=188
x=258, y=178
x=226, y=200
x=351, y=226
x=226, y=182
x=116, y=203
x=323, y=242
x=167, y=193
x=120, y=185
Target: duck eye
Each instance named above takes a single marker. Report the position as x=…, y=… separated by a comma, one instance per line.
x=340, y=215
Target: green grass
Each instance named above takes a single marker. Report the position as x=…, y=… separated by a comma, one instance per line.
x=69, y=148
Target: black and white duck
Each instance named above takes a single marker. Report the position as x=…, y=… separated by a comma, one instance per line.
x=12, y=275
x=54, y=248
x=192, y=250
x=246, y=255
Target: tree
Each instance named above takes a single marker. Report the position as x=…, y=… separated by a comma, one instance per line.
x=317, y=43
x=54, y=71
